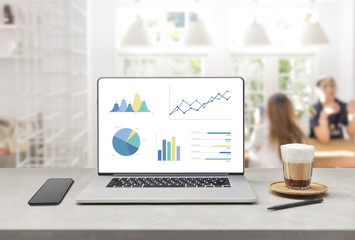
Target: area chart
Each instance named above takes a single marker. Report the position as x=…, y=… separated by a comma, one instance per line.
x=137, y=106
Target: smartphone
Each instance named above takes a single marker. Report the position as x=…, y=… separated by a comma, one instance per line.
x=52, y=191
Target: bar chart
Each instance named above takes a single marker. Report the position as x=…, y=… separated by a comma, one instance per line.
x=169, y=150
x=211, y=145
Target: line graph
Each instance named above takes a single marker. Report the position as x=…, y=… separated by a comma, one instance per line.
x=185, y=105
x=201, y=105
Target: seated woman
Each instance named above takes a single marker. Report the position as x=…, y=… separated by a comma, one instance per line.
x=331, y=114
x=280, y=127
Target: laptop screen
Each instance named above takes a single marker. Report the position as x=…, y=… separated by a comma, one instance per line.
x=170, y=125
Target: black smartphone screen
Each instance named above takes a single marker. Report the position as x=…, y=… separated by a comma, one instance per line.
x=51, y=192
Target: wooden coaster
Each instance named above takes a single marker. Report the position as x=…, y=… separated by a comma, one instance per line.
x=314, y=189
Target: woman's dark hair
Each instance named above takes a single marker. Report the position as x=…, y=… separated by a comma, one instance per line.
x=322, y=78
x=283, y=126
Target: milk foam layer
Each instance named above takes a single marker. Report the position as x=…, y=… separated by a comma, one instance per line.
x=297, y=153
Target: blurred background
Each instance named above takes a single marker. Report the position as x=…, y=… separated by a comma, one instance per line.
x=53, y=51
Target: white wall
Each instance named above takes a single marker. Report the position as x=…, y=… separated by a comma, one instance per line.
x=328, y=57
x=347, y=42
x=337, y=59
x=218, y=62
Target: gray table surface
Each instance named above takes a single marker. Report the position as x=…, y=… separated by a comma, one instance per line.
x=334, y=218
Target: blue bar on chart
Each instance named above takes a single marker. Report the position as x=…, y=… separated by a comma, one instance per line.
x=169, y=152
x=217, y=158
x=178, y=153
x=164, y=150
x=159, y=155
x=218, y=132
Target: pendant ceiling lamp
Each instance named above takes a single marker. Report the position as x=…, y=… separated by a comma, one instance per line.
x=137, y=35
x=197, y=35
x=314, y=35
x=256, y=35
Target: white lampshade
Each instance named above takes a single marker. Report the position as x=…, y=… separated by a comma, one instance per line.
x=256, y=35
x=197, y=35
x=313, y=34
x=137, y=35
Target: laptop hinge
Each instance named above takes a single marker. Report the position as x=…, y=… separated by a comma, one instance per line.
x=170, y=174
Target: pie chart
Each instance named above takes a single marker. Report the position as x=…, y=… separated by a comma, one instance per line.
x=126, y=142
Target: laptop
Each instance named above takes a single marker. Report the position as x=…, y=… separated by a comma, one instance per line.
x=170, y=140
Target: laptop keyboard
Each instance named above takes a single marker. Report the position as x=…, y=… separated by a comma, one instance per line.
x=167, y=182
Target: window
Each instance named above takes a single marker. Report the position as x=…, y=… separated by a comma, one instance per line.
x=149, y=66
x=294, y=78
x=291, y=75
x=186, y=67
x=136, y=67
x=252, y=70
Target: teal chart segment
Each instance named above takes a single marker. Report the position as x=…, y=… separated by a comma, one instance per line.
x=126, y=142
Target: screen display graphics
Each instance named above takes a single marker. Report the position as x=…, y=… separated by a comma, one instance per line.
x=170, y=125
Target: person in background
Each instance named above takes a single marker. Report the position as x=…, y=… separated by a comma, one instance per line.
x=259, y=115
x=330, y=114
x=280, y=127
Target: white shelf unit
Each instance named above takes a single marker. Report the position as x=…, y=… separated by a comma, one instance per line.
x=49, y=68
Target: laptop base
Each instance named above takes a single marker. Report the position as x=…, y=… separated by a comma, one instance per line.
x=97, y=192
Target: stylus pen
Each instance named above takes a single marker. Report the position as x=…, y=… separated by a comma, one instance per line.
x=296, y=204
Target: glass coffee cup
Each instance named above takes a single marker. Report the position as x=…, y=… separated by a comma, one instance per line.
x=297, y=160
